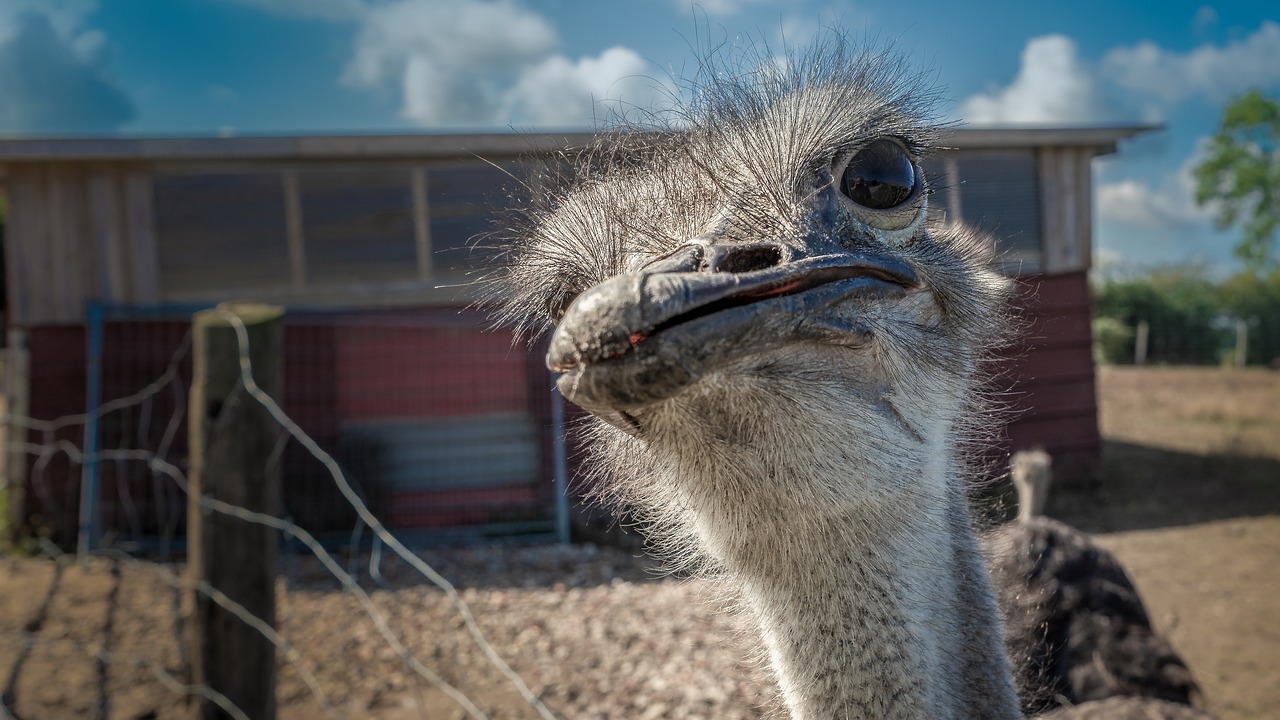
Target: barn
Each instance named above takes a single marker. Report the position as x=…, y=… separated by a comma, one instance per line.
x=445, y=424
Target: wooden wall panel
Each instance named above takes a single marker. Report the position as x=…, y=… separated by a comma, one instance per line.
x=1059, y=433
x=78, y=232
x=1054, y=294
x=1048, y=376
x=19, y=247
x=61, y=241
x=1066, y=195
x=1069, y=396
x=141, y=233
x=106, y=231
x=30, y=211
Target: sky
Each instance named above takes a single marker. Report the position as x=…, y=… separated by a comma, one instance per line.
x=246, y=67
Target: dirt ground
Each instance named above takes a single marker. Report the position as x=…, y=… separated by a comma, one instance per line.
x=1190, y=503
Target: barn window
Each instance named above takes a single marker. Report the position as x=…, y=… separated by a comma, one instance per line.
x=220, y=232
x=357, y=225
x=465, y=199
x=314, y=230
x=996, y=191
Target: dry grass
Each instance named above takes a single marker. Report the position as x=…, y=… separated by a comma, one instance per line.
x=1181, y=446
x=1208, y=411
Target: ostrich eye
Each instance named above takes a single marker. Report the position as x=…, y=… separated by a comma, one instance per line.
x=880, y=176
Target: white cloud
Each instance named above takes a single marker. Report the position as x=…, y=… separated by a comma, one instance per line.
x=470, y=37
x=1209, y=72
x=66, y=16
x=1134, y=202
x=53, y=73
x=321, y=9
x=560, y=92
x=487, y=63
x=1205, y=20
x=725, y=8
x=1139, y=204
x=1140, y=82
x=1052, y=86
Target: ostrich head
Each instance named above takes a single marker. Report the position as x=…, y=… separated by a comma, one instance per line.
x=1032, y=474
x=765, y=273
x=781, y=350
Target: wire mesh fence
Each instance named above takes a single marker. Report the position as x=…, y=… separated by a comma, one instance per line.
x=392, y=428
x=446, y=429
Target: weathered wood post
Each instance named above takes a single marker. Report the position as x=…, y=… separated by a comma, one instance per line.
x=17, y=380
x=1140, y=343
x=1242, y=343
x=232, y=437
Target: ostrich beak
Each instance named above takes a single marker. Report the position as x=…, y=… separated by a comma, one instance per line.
x=640, y=338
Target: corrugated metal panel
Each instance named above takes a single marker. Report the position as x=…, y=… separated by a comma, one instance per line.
x=996, y=191
x=446, y=454
x=940, y=184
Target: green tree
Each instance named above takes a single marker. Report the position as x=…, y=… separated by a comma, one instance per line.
x=1255, y=298
x=1179, y=306
x=1241, y=175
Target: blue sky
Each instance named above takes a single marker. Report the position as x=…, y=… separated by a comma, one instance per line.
x=314, y=66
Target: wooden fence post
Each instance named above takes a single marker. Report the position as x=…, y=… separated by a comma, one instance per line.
x=1140, y=343
x=17, y=379
x=232, y=441
x=1242, y=343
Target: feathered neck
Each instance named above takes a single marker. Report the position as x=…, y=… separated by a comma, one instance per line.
x=846, y=533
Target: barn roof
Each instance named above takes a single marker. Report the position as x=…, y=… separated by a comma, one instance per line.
x=1102, y=139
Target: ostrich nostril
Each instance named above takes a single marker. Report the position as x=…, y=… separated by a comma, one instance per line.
x=744, y=258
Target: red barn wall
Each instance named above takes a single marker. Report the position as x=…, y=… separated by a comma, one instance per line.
x=1049, y=371
x=57, y=389
x=349, y=377
x=414, y=375
x=419, y=371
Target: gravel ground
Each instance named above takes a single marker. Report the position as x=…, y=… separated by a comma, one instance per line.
x=1191, y=507
x=595, y=632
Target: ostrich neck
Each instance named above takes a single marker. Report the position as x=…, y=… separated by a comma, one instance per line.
x=871, y=594
x=901, y=625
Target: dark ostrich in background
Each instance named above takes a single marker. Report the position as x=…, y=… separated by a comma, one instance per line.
x=1076, y=627
x=781, y=353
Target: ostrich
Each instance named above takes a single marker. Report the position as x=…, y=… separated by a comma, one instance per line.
x=1077, y=629
x=781, y=354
